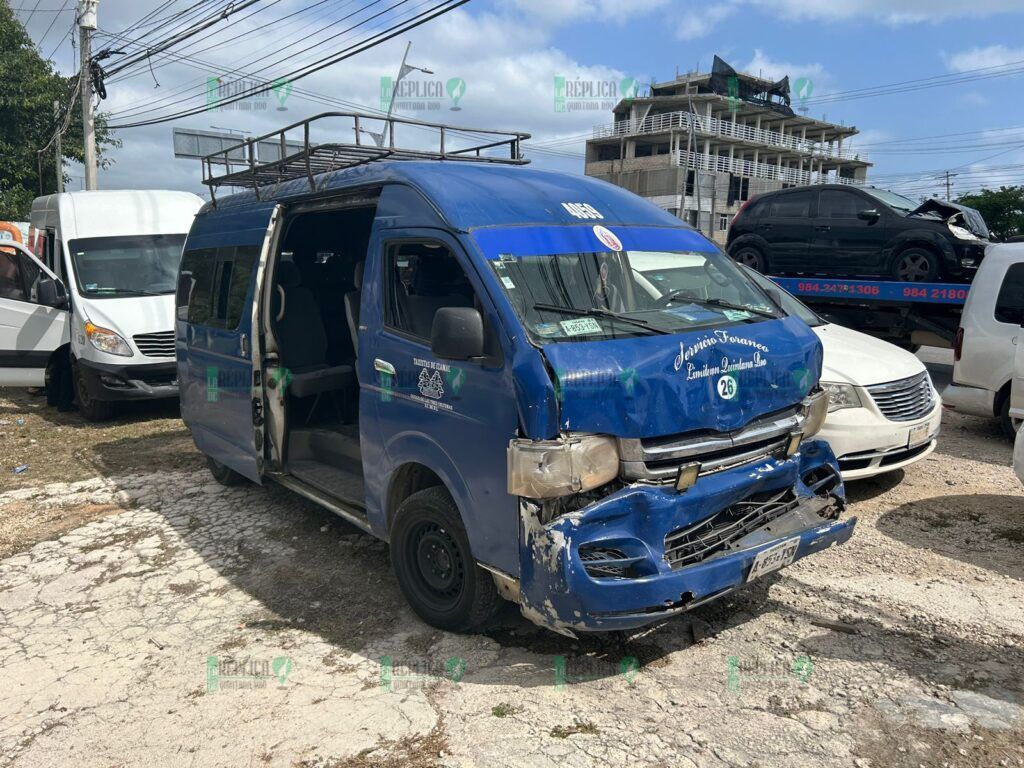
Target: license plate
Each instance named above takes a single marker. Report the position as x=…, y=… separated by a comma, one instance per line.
x=918, y=435
x=774, y=558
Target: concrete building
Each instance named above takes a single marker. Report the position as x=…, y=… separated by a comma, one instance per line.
x=707, y=142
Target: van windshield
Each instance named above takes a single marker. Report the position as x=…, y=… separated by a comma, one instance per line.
x=606, y=295
x=127, y=265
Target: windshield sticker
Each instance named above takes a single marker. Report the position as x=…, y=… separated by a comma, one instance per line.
x=694, y=313
x=727, y=364
x=728, y=387
x=736, y=314
x=582, y=211
x=581, y=326
x=547, y=330
x=608, y=238
x=507, y=282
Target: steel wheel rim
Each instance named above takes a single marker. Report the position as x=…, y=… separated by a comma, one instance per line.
x=914, y=268
x=439, y=572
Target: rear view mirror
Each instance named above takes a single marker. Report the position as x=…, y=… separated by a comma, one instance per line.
x=51, y=293
x=871, y=214
x=457, y=333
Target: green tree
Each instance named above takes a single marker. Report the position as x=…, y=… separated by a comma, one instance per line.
x=28, y=87
x=1002, y=209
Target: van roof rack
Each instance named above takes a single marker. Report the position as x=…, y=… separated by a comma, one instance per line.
x=289, y=153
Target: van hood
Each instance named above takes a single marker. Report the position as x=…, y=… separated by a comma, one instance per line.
x=953, y=213
x=855, y=358
x=130, y=315
x=714, y=379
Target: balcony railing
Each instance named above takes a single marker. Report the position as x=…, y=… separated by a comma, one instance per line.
x=750, y=169
x=713, y=126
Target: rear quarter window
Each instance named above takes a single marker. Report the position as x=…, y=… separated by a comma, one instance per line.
x=1010, y=304
x=213, y=285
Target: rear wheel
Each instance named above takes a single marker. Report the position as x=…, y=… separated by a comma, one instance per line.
x=90, y=408
x=1007, y=423
x=751, y=257
x=435, y=567
x=223, y=475
x=916, y=265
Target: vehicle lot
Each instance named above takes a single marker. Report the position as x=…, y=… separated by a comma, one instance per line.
x=125, y=568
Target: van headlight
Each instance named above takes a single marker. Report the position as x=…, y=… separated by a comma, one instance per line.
x=545, y=469
x=106, y=340
x=841, y=396
x=815, y=411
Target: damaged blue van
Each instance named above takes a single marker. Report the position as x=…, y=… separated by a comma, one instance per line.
x=536, y=387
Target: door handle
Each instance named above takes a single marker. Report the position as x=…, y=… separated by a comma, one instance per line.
x=765, y=226
x=243, y=343
x=823, y=227
x=383, y=366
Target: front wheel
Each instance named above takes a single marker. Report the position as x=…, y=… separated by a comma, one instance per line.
x=435, y=567
x=89, y=407
x=751, y=257
x=916, y=265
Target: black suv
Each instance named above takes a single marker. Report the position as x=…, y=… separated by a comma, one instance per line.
x=857, y=231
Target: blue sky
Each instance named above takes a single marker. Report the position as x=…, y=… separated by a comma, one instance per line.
x=509, y=52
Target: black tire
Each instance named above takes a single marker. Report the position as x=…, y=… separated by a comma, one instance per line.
x=91, y=409
x=916, y=265
x=223, y=475
x=434, y=566
x=1007, y=424
x=751, y=257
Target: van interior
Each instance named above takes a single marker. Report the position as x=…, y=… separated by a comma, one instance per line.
x=313, y=319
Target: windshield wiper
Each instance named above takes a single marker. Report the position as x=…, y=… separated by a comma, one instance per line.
x=720, y=303
x=132, y=291
x=598, y=312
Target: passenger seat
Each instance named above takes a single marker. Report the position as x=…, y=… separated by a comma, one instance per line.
x=302, y=339
x=352, y=306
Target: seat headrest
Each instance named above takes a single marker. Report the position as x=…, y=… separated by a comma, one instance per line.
x=357, y=278
x=288, y=275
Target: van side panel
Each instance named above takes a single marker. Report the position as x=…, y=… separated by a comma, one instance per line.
x=214, y=364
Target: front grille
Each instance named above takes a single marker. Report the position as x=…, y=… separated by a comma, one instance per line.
x=697, y=542
x=658, y=459
x=159, y=344
x=906, y=399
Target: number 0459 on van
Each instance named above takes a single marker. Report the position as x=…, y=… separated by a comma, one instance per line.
x=443, y=349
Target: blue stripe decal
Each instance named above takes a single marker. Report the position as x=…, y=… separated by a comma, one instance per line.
x=875, y=290
x=533, y=241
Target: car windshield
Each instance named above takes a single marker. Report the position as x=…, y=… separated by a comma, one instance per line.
x=605, y=295
x=899, y=202
x=129, y=265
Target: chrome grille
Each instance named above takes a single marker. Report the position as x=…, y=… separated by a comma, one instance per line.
x=159, y=344
x=906, y=399
x=659, y=459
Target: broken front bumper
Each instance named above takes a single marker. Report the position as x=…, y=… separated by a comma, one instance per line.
x=647, y=551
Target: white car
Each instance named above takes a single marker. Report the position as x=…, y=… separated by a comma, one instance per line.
x=884, y=413
x=1016, y=410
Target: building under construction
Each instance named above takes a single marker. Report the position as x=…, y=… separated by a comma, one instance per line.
x=702, y=144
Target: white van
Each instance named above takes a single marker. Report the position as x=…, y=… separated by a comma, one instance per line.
x=986, y=342
x=116, y=254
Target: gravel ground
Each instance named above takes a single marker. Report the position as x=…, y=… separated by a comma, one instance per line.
x=149, y=617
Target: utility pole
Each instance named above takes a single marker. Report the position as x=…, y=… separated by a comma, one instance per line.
x=403, y=70
x=86, y=25
x=59, y=164
x=949, y=184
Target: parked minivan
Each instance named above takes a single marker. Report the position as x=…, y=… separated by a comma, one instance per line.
x=101, y=330
x=988, y=339
x=842, y=229
x=455, y=357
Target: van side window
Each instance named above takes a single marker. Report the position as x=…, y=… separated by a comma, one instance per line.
x=1010, y=304
x=219, y=279
x=421, y=278
x=31, y=274
x=12, y=286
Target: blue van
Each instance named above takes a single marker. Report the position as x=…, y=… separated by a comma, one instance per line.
x=463, y=357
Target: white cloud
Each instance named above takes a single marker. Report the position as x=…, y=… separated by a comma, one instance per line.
x=764, y=66
x=698, y=22
x=978, y=58
x=558, y=12
x=905, y=12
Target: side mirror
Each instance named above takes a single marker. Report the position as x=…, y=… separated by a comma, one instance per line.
x=51, y=293
x=871, y=214
x=457, y=333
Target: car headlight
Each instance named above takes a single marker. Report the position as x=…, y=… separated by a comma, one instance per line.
x=815, y=411
x=960, y=233
x=544, y=469
x=106, y=340
x=841, y=396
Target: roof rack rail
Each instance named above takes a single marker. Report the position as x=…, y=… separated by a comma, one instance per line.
x=275, y=157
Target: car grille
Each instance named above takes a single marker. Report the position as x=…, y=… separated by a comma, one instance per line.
x=906, y=399
x=159, y=344
x=720, y=531
x=658, y=459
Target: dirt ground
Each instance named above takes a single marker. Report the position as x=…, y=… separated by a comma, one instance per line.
x=149, y=617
